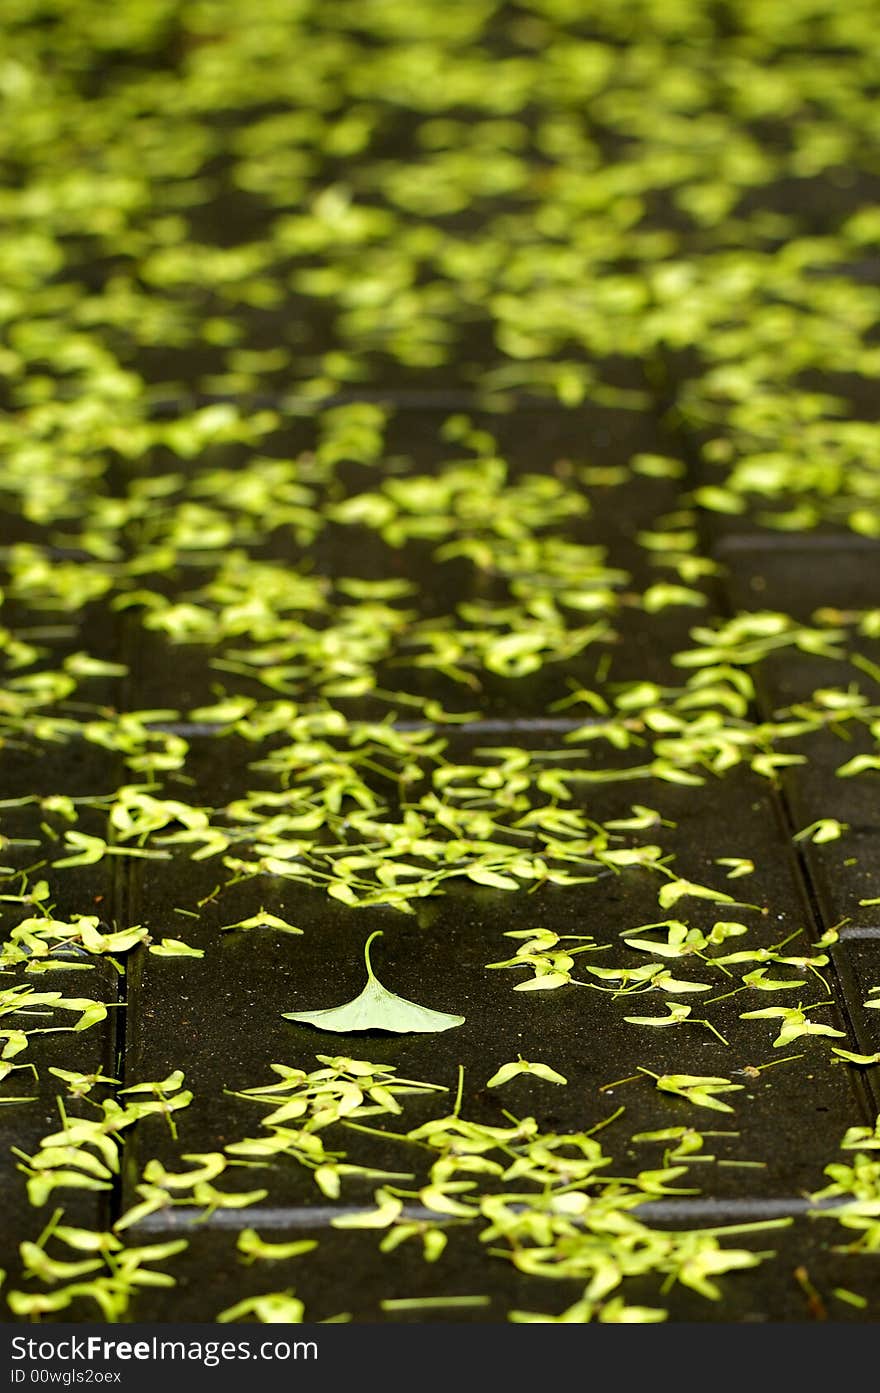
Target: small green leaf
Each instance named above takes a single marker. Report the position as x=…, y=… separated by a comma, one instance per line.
x=387, y=1210
x=675, y=890
x=759, y=981
x=856, y=1058
x=482, y=875
x=524, y=1066
x=826, y=829
x=263, y=920
x=175, y=948
x=274, y=1308
x=252, y=1246
x=858, y=765
x=700, y=1089
x=677, y=1014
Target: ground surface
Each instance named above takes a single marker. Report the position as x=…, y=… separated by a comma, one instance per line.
x=439, y=498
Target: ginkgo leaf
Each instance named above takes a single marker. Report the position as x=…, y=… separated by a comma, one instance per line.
x=376, y=1009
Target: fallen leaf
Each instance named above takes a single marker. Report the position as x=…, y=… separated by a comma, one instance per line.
x=263, y=920
x=376, y=1009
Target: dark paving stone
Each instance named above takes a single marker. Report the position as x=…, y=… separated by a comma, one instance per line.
x=788, y=573
x=220, y=1016
x=859, y=965
x=847, y=870
x=34, y=774
x=846, y=877
x=729, y=534
x=634, y=649
x=820, y=202
x=72, y=641
x=797, y=1282
x=584, y=448
x=585, y=451
x=32, y=770
x=23, y=1125
x=807, y=518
